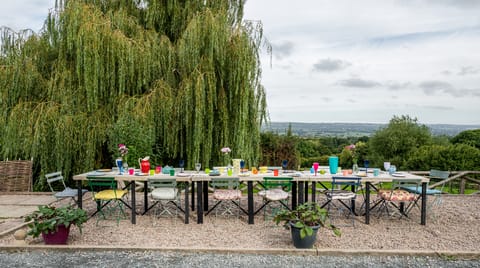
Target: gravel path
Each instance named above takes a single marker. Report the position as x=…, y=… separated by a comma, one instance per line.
x=51, y=258
x=454, y=229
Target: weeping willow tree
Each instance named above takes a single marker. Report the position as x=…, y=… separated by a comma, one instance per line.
x=171, y=79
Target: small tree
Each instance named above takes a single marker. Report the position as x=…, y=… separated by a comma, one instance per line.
x=398, y=140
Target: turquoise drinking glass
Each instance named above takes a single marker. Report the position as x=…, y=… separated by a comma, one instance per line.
x=333, y=164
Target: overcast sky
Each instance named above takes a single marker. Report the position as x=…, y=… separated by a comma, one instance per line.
x=354, y=61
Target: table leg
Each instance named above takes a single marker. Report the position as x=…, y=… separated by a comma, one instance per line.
x=314, y=191
x=145, y=196
x=294, y=195
x=79, y=194
x=352, y=202
x=301, y=188
x=367, y=203
x=423, y=217
x=134, y=212
x=205, y=195
x=250, y=202
x=187, y=209
x=193, y=196
x=306, y=191
x=199, y=202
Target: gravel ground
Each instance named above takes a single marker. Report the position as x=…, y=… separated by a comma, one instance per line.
x=454, y=228
x=43, y=258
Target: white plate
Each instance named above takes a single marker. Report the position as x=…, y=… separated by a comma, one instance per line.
x=96, y=173
x=398, y=174
x=183, y=175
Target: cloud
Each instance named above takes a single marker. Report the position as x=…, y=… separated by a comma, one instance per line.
x=466, y=70
x=432, y=87
x=330, y=65
x=437, y=87
x=398, y=85
x=360, y=83
x=459, y=3
x=446, y=72
x=431, y=107
x=282, y=50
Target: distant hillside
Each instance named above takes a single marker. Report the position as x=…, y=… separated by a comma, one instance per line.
x=353, y=129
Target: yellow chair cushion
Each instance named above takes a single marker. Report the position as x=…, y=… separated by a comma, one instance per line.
x=110, y=194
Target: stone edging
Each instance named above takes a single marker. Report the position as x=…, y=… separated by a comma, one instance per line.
x=272, y=251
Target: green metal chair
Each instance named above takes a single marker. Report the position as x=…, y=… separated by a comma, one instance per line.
x=108, y=198
x=277, y=191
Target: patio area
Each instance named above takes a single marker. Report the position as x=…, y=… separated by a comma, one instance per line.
x=454, y=229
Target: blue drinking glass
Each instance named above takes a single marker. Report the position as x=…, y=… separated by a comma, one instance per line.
x=284, y=164
x=366, y=163
x=181, y=164
x=242, y=165
x=119, y=163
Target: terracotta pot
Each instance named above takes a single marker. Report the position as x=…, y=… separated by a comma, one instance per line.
x=59, y=237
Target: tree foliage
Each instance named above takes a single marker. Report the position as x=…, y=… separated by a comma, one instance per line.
x=452, y=157
x=398, y=140
x=276, y=148
x=173, y=79
x=470, y=137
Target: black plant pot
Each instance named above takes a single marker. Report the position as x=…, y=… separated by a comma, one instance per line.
x=307, y=241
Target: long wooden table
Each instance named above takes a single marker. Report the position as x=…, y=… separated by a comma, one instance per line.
x=299, y=189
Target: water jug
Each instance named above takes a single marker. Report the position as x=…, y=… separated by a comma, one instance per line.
x=144, y=164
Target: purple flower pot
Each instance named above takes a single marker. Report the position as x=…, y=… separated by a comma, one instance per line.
x=59, y=237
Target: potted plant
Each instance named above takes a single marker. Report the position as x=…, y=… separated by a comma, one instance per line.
x=304, y=222
x=54, y=223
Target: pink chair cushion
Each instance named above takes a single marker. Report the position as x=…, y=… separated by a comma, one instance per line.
x=227, y=194
x=397, y=195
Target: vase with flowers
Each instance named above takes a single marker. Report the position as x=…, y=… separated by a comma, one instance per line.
x=121, y=161
x=226, y=151
x=353, y=153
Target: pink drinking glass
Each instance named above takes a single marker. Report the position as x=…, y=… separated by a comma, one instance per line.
x=315, y=167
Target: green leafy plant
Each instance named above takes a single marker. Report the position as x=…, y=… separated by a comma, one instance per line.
x=304, y=217
x=47, y=218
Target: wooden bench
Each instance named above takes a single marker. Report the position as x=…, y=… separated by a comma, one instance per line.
x=16, y=176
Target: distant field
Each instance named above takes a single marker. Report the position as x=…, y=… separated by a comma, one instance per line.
x=353, y=129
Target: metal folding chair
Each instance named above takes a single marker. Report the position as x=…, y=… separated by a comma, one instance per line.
x=343, y=196
x=397, y=197
x=436, y=193
x=226, y=192
x=164, y=193
x=107, y=197
x=277, y=190
x=59, y=188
